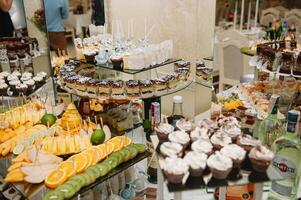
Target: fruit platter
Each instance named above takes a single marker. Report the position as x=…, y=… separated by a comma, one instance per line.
x=60, y=152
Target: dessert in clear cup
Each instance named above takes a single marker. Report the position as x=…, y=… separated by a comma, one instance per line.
x=202, y=146
x=247, y=142
x=176, y=170
x=220, y=139
x=163, y=130
x=219, y=165
x=235, y=152
x=171, y=149
x=261, y=157
x=197, y=163
x=199, y=133
x=184, y=125
x=179, y=137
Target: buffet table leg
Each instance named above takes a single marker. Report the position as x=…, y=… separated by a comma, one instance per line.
x=222, y=193
x=160, y=188
x=258, y=191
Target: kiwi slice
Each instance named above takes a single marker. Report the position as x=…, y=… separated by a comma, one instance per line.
x=94, y=169
x=140, y=148
x=126, y=154
x=54, y=195
x=80, y=179
x=103, y=168
x=87, y=178
x=118, y=156
x=133, y=151
x=67, y=190
x=91, y=176
x=75, y=184
x=113, y=161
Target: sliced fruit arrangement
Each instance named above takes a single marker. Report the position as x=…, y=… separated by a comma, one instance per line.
x=32, y=166
x=66, y=144
x=30, y=112
x=23, y=132
x=233, y=104
x=80, y=162
x=71, y=120
x=34, y=138
x=74, y=184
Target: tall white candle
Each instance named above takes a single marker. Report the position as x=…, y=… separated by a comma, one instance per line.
x=129, y=29
x=249, y=14
x=145, y=27
x=256, y=12
x=132, y=28
x=235, y=14
x=242, y=14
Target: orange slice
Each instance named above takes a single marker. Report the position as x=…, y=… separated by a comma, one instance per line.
x=55, y=178
x=94, y=154
x=126, y=141
x=89, y=157
x=100, y=153
x=69, y=167
x=80, y=161
x=109, y=147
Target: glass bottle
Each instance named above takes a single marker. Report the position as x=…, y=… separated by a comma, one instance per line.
x=177, y=110
x=271, y=127
x=84, y=107
x=147, y=124
x=287, y=160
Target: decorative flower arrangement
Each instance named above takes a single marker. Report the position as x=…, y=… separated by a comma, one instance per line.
x=39, y=19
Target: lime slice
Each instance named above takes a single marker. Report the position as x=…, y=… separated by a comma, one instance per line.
x=25, y=143
x=30, y=141
x=18, y=149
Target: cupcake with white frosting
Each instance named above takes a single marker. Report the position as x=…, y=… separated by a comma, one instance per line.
x=89, y=55
x=220, y=139
x=3, y=89
x=184, y=125
x=247, y=142
x=219, y=165
x=232, y=131
x=175, y=169
x=261, y=157
x=235, y=152
x=171, y=149
x=197, y=163
x=199, y=133
x=179, y=137
x=202, y=146
x=163, y=130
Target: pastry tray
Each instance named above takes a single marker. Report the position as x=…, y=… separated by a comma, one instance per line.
x=238, y=176
x=128, y=71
